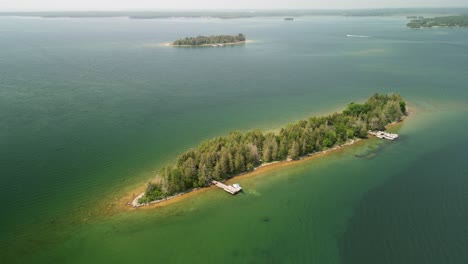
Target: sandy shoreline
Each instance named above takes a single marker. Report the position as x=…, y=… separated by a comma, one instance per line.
x=130, y=200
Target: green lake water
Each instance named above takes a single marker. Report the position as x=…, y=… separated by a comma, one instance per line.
x=91, y=108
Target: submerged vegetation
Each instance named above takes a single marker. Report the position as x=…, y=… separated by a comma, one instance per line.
x=202, y=40
x=222, y=157
x=445, y=21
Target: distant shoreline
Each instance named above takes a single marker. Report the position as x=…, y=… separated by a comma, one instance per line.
x=460, y=21
x=239, y=14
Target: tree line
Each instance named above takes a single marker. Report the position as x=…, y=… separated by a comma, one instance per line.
x=202, y=40
x=222, y=157
x=445, y=21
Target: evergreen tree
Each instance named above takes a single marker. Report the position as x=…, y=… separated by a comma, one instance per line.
x=294, y=151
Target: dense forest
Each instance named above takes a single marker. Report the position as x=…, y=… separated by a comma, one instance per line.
x=222, y=157
x=202, y=40
x=446, y=21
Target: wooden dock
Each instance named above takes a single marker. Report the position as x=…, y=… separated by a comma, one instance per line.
x=232, y=189
x=384, y=135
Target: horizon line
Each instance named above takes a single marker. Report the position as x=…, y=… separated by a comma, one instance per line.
x=230, y=9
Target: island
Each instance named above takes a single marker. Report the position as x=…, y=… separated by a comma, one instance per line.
x=221, y=158
x=415, y=17
x=445, y=21
x=219, y=40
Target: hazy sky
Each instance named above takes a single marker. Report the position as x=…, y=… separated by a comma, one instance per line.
x=14, y=5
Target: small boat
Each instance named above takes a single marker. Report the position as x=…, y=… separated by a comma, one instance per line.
x=356, y=36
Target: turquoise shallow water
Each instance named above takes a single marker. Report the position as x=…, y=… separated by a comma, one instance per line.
x=91, y=107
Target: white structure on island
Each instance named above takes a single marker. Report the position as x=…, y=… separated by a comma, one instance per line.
x=383, y=135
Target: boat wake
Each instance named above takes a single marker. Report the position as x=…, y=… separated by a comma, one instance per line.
x=357, y=36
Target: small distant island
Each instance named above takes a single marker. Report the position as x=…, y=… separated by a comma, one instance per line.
x=415, y=17
x=288, y=18
x=221, y=158
x=445, y=21
x=219, y=40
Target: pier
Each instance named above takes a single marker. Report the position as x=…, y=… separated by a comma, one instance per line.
x=232, y=189
x=384, y=135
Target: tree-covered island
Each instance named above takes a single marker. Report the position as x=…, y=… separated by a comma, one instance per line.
x=445, y=21
x=211, y=40
x=223, y=157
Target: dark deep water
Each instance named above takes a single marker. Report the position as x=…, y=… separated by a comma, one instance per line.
x=419, y=215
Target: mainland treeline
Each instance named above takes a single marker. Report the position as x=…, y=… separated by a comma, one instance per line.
x=222, y=157
x=446, y=21
x=202, y=40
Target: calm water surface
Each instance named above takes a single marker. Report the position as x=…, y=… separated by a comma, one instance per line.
x=90, y=108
